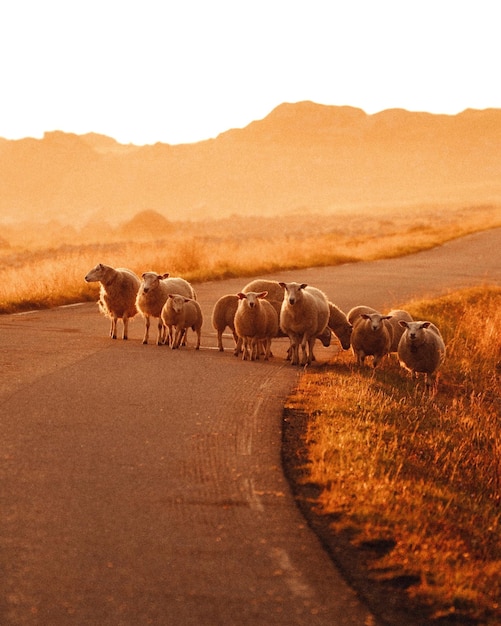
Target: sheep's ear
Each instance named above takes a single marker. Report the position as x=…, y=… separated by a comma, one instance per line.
x=186, y=299
x=166, y=275
x=403, y=323
x=425, y=324
x=366, y=316
x=283, y=285
x=143, y=275
x=171, y=295
x=303, y=286
x=263, y=294
x=386, y=317
x=241, y=295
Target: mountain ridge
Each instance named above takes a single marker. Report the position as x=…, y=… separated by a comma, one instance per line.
x=300, y=155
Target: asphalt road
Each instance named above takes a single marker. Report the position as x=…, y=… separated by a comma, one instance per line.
x=141, y=485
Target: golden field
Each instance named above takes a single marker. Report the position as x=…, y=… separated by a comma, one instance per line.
x=43, y=265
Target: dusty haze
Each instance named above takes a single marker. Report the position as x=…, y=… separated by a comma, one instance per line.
x=303, y=158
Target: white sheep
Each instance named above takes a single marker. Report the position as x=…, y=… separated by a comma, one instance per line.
x=304, y=315
x=372, y=335
x=117, y=296
x=223, y=315
x=152, y=296
x=340, y=326
x=256, y=324
x=180, y=313
x=398, y=329
x=421, y=348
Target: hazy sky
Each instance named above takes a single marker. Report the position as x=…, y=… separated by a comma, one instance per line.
x=185, y=70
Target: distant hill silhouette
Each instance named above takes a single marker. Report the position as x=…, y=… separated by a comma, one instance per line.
x=302, y=156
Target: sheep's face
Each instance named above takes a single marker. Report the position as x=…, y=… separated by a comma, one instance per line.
x=251, y=298
x=151, y=281
x=415, y=331
x=375, y=320
x=293, y=292
x=96, y=274
x=177, y=302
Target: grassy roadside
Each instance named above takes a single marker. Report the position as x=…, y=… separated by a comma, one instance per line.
x=405, y=487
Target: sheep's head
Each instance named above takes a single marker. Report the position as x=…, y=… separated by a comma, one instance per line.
x=252, y=297
x=293, y=291
x=177, y=302
x=414, y=330
x=97, y=273
x=375, y=319
x=151, y=280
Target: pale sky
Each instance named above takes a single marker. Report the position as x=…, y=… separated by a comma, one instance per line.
x=181, y=71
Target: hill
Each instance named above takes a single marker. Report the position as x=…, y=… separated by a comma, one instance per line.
x=301, y=157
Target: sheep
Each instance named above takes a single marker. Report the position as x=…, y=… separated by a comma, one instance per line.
x=181, y=313
x=372, y=335
x=421, y=348
x=276, y=296
x=304, y=315
x=340, y=326
x=152, y=295
x=223, y=315
x=256, y=323
x=117, y=297
x=398, y=330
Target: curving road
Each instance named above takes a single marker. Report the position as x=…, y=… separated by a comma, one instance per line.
x=141, y=485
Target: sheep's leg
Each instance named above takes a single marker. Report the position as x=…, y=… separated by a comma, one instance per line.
x=125, y=320
x=267, y=349
x=294, y=347
x=199, y=335
x=305, y=357
x=113, y=330
x=146, y=329
x=239, y=346
x=245, y=349
x=160, y=334
x=177, y=338
x=220, y=341
x=311, y=343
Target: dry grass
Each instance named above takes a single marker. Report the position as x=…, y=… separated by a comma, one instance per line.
x=44, y=266
x=421, y=472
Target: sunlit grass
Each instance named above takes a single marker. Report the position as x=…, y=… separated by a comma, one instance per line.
x=396, y=463
x=43, y=267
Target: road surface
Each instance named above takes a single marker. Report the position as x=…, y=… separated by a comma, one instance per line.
x=141, y=485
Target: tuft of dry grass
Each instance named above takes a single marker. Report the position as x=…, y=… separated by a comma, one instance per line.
x=420, y=472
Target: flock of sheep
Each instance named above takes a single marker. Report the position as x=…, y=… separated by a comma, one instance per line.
x=264, y=310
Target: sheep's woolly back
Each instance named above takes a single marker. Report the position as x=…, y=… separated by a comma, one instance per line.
x=275, y=291
x=421, y=347
x=223, y=313
x=355, y=313
x=398, y=330
x=340, y=326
